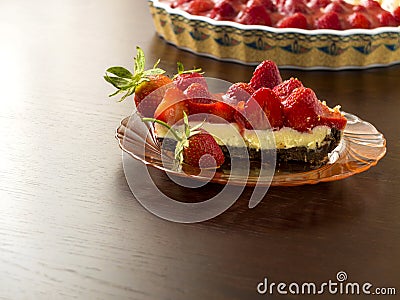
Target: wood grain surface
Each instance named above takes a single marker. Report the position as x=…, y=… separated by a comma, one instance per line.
x=70, y=227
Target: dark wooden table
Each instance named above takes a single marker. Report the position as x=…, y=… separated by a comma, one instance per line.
x=69, y=224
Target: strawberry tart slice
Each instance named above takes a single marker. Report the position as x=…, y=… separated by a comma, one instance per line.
x=263, y=114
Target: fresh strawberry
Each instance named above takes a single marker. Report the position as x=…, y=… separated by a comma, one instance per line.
x=250, y=114
x=239, y=91
x=329, y=20
x=396, y=14
x=271, y=105
x=358, y=20
x=178, y=3
x=199, y=99
x=172, y=107
x=195, y=146
x=334, y=6
x=301, y=109
x=284, y=89
x=149, y=94
x=297, y=20
x=185, y=78
x=386, y=19
x=265, y=3
x=359, y=8
x=198, y=93
x=255, y=15
x=266, y=75
x=293, y=6
x=197, y=7
x=203, y=151
x=317, y=4
x=223, y=10
x=371, y=4
x=148, y=85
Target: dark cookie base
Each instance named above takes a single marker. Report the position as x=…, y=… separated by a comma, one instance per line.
x=313, y=157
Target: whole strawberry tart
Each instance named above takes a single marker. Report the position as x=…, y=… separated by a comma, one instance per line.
x=263, y=114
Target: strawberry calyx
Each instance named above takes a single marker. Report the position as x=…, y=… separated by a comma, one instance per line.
x=125, y=82
x=181, y=137
x=181, y=70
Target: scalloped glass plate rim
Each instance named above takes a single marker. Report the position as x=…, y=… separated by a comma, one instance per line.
x=283, y=179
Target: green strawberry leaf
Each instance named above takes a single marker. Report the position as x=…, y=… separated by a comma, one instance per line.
x=120, y=72
x=126, y=82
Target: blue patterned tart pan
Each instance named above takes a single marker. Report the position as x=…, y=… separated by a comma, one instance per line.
x=288, y=47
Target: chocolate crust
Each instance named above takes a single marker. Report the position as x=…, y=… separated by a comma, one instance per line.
x=313, y=157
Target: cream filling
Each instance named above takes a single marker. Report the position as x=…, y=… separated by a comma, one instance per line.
x=284, y=138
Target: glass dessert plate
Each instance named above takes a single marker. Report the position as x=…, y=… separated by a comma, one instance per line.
x=361, y=148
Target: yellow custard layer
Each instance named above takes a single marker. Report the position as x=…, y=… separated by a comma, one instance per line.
x=285, y=138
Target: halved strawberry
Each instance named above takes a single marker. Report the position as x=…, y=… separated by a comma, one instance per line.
x=271, y=105
x=332, y=118
x=172, y=107
x=250, y=115
x=284, y=89
x=222, y=110
x=239, y=91
x=199, y=99
x=266, y=75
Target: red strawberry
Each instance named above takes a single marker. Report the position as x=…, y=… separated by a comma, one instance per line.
x=334, y=7
x=386, y=19
x=284, y=89
x=223, y=10
x=199, y=99
x=195, y=146
x=266, y=75
x=293, y=6
x=147, y=85
x=197, y=7
x=203, y=151
x=250, y=114
x=271, y=105
x=265, y=3
x=297, y=20
x=222, y=108
x=316, y=4
x=172, y=107
x=239, y=91
x=396, y=14
x=332, y=118
x=329, y=20
x=371, y=4
x=185, y=78
x=358, y=20
x=301, y=109
x=149, y=94
x=255, y=15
